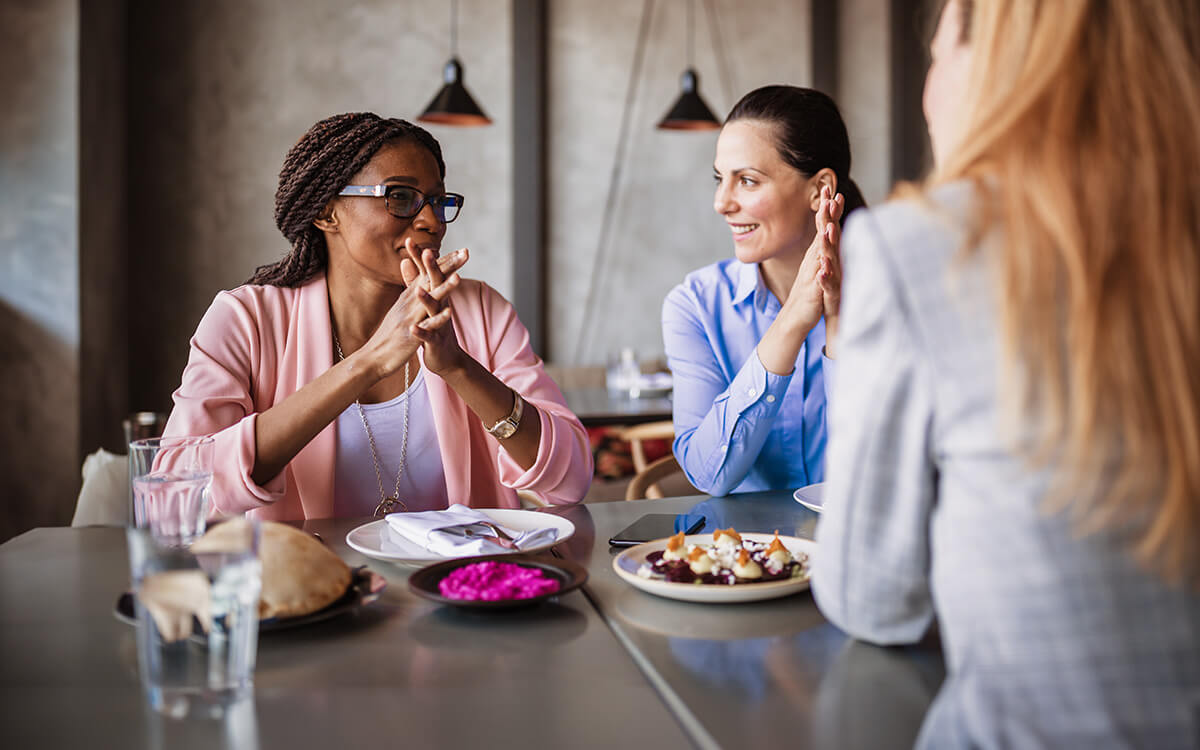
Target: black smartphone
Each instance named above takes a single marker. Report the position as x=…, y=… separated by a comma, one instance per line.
x=655, y=526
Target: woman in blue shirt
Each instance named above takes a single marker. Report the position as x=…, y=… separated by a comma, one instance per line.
x=749, y=339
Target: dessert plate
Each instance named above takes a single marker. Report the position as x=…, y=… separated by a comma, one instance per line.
x=570, y=576
x=376, y=540
x=627, y=563
x=811, y=497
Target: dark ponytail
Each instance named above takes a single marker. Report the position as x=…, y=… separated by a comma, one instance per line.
x=810, y=134
x=314, y=171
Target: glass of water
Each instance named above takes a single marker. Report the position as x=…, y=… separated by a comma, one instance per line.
x=197, y=617
x=171, y=482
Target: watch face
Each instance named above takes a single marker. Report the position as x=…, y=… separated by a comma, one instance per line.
x=505, y=430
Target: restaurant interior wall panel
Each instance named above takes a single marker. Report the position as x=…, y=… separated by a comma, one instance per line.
x=103, y=259
x=39, y=264
x=607, y=281
x=220, y=89
x=864, y=93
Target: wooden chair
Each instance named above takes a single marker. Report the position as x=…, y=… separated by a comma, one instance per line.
x=645, y=482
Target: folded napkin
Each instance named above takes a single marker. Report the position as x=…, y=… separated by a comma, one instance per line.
x=440, y=532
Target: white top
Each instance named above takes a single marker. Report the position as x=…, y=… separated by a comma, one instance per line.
x=423, y=482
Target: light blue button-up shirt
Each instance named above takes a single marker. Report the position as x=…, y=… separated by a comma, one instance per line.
x=739, y=427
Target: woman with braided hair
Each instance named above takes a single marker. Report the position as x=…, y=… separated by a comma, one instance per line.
x=361, y=374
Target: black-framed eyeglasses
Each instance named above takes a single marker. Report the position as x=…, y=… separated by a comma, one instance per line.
x=405, y=202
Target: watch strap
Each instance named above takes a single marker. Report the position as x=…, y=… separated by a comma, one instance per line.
x=506, y=427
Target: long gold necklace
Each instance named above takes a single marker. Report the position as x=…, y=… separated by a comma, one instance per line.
x=386, y=504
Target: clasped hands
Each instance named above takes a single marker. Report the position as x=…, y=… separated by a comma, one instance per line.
x=420, y=316
x=817, y=290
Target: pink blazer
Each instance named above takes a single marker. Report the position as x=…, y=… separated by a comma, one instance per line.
x=256, y=345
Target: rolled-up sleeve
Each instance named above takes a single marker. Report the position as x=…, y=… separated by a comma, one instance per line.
x=720, y=424
x=871, y=573
x=562, y=471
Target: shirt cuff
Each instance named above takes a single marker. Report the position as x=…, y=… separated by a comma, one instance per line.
x=756, y=388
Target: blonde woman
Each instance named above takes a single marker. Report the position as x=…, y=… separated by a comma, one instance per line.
x=1015, y=426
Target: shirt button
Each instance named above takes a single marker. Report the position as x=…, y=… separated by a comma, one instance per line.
x=751, y=392
x=770, y=398
x=724, y=448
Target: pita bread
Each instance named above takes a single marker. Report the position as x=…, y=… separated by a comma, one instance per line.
x=300, y=575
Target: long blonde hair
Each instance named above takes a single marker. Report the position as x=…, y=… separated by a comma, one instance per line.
x=1086, y=115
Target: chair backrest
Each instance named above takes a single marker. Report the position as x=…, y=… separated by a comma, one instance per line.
x=645, y=483
x=104, y=496
x=635, y=434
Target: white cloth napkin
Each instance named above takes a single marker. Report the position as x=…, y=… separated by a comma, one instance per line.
x=424, y=529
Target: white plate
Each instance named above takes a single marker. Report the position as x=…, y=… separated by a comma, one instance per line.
x=811, y=497
x=627, y=563
x=375, y=540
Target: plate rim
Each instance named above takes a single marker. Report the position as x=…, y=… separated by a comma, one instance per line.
x=814, y=507
x=713, y=593
x=576, y=576
x=422, y=561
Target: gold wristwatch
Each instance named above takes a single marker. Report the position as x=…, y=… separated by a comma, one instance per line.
x=506, y=427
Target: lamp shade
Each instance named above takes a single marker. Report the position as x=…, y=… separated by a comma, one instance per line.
x=453, y=105
x=689, y=111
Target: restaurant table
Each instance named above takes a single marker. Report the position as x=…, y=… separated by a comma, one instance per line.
x=599, y=407
x=606, y=666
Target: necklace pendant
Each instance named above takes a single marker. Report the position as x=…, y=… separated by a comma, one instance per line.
x=389, y=505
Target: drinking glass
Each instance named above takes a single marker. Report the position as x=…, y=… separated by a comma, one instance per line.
x=170, y=481
x=197, y=618
x=622, y=373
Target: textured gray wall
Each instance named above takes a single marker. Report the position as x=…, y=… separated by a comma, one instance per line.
x=864, y=92
x=604, y=297
x=39, y=263
x=220, y=89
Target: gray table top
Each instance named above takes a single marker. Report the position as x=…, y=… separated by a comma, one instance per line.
x=597, y=407
x=758, y=673
x=603, y=667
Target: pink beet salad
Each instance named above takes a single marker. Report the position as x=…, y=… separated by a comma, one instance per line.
x=496, y=581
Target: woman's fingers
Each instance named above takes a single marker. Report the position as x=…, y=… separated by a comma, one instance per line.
x=451, y=262
x=434, y=322
x=431, y=304
x=433, y=270
x=409, y=271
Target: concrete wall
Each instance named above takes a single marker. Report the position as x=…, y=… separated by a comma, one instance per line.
x=864, y=92
x=606, y=290
x=39, y=263
x=220, y=89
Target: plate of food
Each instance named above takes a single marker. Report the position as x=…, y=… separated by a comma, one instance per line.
x=303, y=581
x=811, y=497
x=722, y=567
x=377, y=540
x=497, y=581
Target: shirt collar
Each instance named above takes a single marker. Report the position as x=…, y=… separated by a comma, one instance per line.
x=750, y=286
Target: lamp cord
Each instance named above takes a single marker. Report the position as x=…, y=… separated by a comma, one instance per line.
x=719, y=48
x=453, y=28
x=691, y=26
x=614, y=180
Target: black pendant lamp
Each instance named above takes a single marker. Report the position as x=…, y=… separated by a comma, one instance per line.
x=453, y=105
x=689, y=111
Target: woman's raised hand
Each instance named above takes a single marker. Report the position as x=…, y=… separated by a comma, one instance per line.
x=432, y=286
x=829, y=276
x=820, y=271
x=829, y=237
x=394, y=341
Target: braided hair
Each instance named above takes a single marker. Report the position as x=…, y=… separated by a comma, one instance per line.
x=314, y=171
